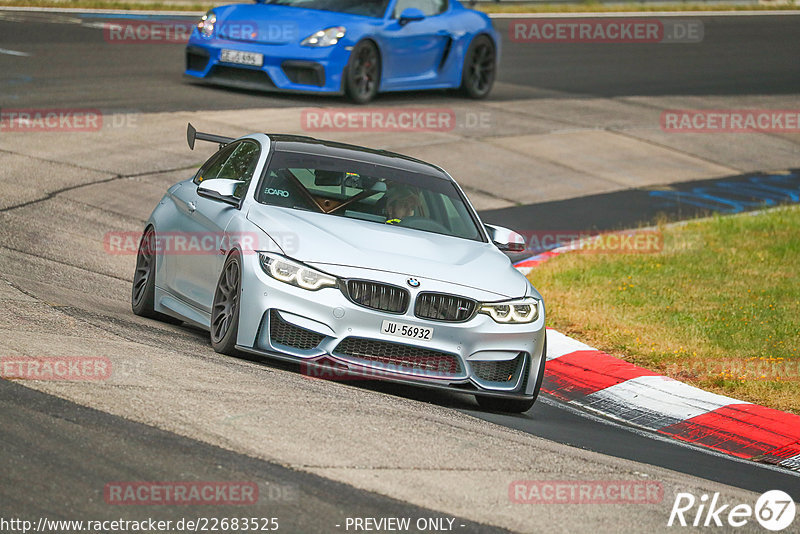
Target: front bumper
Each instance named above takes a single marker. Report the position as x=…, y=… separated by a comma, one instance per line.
x=286, y=67
x=335, y=338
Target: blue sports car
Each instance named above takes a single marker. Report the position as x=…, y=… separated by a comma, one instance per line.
x=353, y=47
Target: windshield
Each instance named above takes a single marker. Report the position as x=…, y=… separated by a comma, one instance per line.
x=367, y=8
x=368, y=192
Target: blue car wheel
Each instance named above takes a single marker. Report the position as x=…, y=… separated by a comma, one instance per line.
x=480, y=66
x=363, y=73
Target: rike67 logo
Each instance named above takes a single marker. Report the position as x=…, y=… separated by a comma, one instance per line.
x=774, y=510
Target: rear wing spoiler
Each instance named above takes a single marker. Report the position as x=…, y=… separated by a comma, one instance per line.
x=192, y=135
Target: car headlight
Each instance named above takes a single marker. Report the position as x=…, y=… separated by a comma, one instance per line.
x=207, y=23
x=517, y=311
x=295, y=273
x=326, y=37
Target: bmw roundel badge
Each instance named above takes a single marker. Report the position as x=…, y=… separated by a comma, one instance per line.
x=413, y=282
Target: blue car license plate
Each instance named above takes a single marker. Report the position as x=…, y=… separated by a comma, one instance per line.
x=242, y=58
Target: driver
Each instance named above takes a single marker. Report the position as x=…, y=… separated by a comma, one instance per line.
x=401, y=201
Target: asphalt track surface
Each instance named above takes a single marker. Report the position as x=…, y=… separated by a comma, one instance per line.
x=72, y=65
x=71, y=452
x=644, y=207
x=68, y=68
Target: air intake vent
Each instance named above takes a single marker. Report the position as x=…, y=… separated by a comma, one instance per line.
x=241, y=76
x=399, y=358
x=304, y=73
x=383, y=297
x=442, y=307
x=196, y=58
x=284, y=333
x=494, y=371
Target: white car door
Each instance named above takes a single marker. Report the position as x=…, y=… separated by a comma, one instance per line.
x=196, y=265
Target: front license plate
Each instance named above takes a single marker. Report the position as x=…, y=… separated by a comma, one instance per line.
x=242, y=58
x=407, y=331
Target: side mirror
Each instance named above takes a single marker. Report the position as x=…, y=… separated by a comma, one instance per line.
x=410, y=14
x=505, y=239
x=220, y=189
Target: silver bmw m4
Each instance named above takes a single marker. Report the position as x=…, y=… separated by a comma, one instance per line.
x=354, y=262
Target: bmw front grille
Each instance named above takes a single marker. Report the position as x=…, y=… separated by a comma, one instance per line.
x=443, y=307
x=378, y=296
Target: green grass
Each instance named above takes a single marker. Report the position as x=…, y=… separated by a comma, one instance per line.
x=499, y=7
x=718, y=307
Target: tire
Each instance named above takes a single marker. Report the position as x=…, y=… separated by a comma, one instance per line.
x=143, y=289
x=363, y=73
x=225, y=310
x=494, y=404
x=480, y=68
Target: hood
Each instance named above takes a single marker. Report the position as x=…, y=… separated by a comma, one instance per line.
x=328, y=239
x=275, y=24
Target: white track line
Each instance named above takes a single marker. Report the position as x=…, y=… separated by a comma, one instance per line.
x=13, y=52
